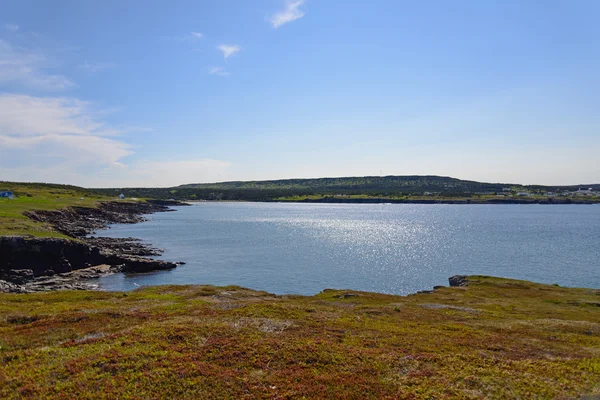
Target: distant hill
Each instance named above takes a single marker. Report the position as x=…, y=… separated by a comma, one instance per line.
x=407, y=183
x=398, y=187
x=383, y=186
x=365, y=184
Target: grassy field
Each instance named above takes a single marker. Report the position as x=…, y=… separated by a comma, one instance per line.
x=496, y=338
x=39, y=197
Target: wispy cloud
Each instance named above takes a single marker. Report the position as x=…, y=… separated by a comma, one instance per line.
x=290, y=13
x=23, y=115
x=28, y=68
x=228, y=50
x=63, y=139
x=45, y=131
x=187, y=37
x=218, y=71
x=95, y=67
x=11, y=27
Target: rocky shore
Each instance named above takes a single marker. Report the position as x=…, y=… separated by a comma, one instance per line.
x=42, y=264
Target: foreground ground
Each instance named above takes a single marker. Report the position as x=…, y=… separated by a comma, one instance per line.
x=495, y=338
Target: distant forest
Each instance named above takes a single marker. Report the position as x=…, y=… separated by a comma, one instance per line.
x=371, y=186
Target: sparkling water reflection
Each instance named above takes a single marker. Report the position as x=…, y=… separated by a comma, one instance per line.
x=391, y=248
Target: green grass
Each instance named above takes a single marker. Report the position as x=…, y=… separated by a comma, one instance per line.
x=39, y=197
x=497, y=338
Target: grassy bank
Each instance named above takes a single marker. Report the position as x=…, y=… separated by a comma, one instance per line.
x=496, y=338
x=36, y=196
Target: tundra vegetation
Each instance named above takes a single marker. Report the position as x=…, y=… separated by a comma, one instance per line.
x=494, y=338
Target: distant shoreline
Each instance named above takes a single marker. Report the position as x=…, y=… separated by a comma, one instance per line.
x=396, y=201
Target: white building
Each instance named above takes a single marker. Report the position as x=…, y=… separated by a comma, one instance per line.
x=585, y=192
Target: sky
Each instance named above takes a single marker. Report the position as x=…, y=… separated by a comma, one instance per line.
x=111, y=93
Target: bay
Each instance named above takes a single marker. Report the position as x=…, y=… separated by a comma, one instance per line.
x=389, y=248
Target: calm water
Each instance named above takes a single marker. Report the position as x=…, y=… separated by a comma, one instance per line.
x=305, y=248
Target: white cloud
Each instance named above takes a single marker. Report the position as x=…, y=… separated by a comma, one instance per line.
x=58, y=139
x=11, y=27
x=26, y=67
x=290, y=13
x=22, y=115
x=44, y=132
x=218, y=71
x=187, y=37
x=95, y=67
x=144, y=173
x=228, y=50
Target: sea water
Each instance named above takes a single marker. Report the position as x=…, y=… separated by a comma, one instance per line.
x=390, y=248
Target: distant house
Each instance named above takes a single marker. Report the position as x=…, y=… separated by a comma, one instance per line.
x=7, y=193
x=121, y=196
x=523, y=194
x=585, y=192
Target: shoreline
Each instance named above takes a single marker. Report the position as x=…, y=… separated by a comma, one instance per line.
x=396, y=201
x=332, y=200
x=32, y=264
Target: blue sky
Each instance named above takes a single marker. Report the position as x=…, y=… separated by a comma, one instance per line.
x=156, y=93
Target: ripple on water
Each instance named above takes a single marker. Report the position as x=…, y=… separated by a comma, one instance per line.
x=304, y=248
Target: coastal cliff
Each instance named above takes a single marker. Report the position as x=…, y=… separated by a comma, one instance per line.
x=34, y=264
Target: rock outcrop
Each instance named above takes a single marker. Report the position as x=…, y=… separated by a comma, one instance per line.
x=82, y=221
x=458, y=280
x=33, y=264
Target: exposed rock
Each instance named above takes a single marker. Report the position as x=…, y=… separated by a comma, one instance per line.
x=345, y=295
x=16, y=276
x=76, y=280
x=34, y=264
x=42, y=254
x=82, y=221
x=168, y=203
x=140, y=264
x=458, y=280
x=124, y=246
x=8, y=287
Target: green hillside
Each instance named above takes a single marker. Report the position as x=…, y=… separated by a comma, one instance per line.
x=393, y=187
x=358, y=184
